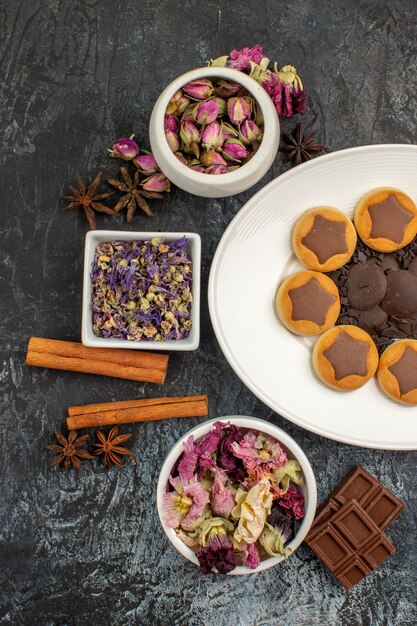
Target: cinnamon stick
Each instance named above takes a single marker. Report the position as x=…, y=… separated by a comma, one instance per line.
x=92, y=415
x=118, y=363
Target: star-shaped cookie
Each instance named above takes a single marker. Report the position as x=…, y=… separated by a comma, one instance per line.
x=405, y=371
x=326, y=238
x=311, y=302
x=347, y=356
x=389, y=220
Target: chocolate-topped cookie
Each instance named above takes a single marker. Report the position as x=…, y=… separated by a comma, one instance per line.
x=324, y=239
x=366, y=285
x=345, y=358
x=386, y=219
x=397, y=371
x=307, y=303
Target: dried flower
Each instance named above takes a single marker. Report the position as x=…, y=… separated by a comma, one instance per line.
x=251, y=510
x=146, y=163
x=242, y=59
x=70, y=450
x=216, y=169
x=190, y=136
x=211, y=157
x=281, y=522
x=186, y=503
x=170, y=123
x=206, y=112
x=110, y=447
x=199, y=89
x=212, y=136
x=182, y=158
x=124, y=148
x=238, y=109
x=250, y=555
x=234, y=150
x=196, y=166
x=228, y=131
x=178, y=103
x=218, y=556
x=87, y=199
x=293, y=502
x=249, y=132
x=157, y=182
x=173, y=140
x=221, y=105
x=226, y=88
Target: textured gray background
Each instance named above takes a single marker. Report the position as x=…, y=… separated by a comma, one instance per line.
x=88, y=548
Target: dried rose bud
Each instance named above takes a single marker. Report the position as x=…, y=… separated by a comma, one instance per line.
x=181, y=158
x=157, y=182
x=249, y=132
x=238, y=109
x=178, y=103
x=199, y=89
x=188, y=113
x=196, y=166
x=170, y=123
x=146, y=163
x=124, y=148
x=229, y=131
x=222, y=105
x=212, y=136
x=232, y=168
x=206, y=112
x=190, y=136
x=173, y=140
x=226, y=88
x=234, y=150
x=211, y=157
x=216, y=169
x=257, y=115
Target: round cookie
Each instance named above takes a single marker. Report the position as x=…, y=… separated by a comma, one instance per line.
x=308, y=303
x=397, y=371
x=345, y=358
x=386, y=219
x=324, y=239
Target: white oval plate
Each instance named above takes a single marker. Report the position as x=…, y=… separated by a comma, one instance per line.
x=253, y=257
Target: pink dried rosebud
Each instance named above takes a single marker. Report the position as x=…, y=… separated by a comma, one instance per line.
x=238, y=109
x=173, y=140
x=190, y=136
x=196, y=166
x=199, y=89
x=249, y=132
x=212, y=136
x=226, y=88
x=146, y=163
x=211, y=157
x=157, y=182
x=181, y=158
x=229, y=131
x=222, y=106
x=206, y=112
x=216, y=169
x=241, y=59
x=124, y=148
x=170, y=123
x=234, y=150
x=178, y=103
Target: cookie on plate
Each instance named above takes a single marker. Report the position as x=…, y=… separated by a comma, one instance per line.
x=324, y=239
x=397, y=371
x=345, y=358
x=308, y=303
x=386, y=219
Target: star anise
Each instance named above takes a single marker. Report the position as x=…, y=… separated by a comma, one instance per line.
x=87, y=199
x=70, y=450
x=133, y=194
x=110, y=446
x=299, y=145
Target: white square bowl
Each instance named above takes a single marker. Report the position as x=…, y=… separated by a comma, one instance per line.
x=193, y=248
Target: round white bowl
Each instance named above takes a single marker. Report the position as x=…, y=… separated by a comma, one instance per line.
x=221, y=185
x=309, y=489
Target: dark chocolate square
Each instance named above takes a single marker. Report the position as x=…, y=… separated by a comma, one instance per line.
x=377, y=551
x=355, y=525
x=330, y=547
x=352, y=572
x=384, y=508
x=358, y=485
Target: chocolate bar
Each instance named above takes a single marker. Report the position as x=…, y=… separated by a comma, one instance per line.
x=350, y=544
x=347, y=531
x=381, y=504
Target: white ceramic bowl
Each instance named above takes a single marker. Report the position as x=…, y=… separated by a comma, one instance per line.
x=309, y=489
x=88, y=338
x=221, y=185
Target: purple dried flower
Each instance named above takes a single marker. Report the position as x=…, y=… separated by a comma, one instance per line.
x=249, y=132
x=222, y=106
x=222, y=497
x=241, y=59
x=173, y=140
x=206, y=112
x=281, y=522
x=146, y=163
x=250, y=555
x=156, y=182
x=197, y=168
x=178, y=103
x=218, y=556
x=124, y=148
x=233, y=149
x=226, y=88
x=199, y=89
x=170, y=123
x=185, y=504
x=212, y=136
x=190, y=136
x=228, y=131
x=216, y=169
x=293, y=503
x=211, y=157
x=226, y=458
x=286, y=90
x=238, y=109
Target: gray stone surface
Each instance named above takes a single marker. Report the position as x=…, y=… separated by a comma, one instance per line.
x=88, y=548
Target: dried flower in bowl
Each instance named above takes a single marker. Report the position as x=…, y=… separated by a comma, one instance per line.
x=243, y=492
